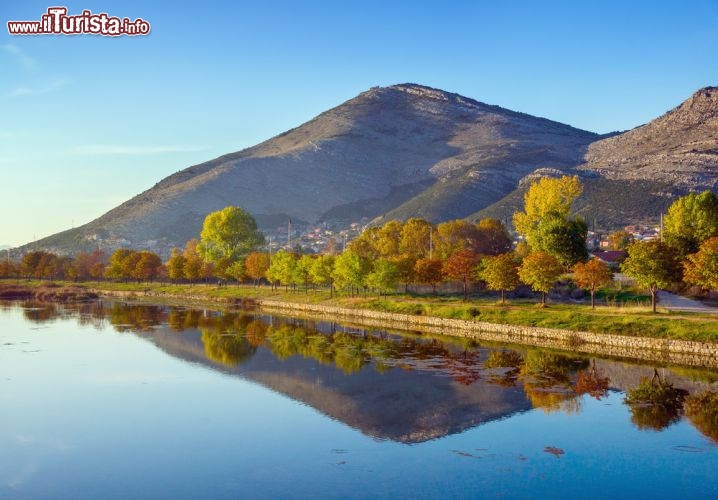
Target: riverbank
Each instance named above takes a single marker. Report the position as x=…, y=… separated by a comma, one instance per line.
x=621, y=331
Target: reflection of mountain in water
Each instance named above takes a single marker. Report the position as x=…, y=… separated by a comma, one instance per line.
x=407, y=404
x=406, y=388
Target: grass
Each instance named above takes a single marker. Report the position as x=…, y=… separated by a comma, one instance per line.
x=613, y=319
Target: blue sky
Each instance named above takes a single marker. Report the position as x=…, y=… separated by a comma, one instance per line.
x=88, y=121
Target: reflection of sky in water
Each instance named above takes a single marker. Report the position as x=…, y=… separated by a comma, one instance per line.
x=94, y=413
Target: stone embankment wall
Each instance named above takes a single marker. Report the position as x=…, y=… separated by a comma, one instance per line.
x=650, y=349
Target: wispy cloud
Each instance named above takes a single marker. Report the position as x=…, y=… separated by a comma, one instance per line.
x=22, y=58
x=107, y=150
x=52, y=86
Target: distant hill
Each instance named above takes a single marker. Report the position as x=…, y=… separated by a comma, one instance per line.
x=413, y=151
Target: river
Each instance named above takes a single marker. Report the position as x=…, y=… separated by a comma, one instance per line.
x=114, y=400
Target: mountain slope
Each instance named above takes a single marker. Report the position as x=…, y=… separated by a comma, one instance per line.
x=634, y=176
x=407, y=150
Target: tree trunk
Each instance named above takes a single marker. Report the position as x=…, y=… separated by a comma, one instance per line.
x=653, y=298
x=466, y=293
x=593, y=302
x=503, y=300
x=543, y=298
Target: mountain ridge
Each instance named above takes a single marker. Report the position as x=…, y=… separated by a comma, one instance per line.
x=409, y=150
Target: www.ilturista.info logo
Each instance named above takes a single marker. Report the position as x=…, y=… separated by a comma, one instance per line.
x=57, y=22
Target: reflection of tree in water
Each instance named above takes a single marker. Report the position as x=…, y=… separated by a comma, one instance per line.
x=180, y=319
x=511, y=362
x=655, y=403
x=702, y=411
x=40, y=312
x=256, y=332
x=547, y=380
x=224, y=338
x=592, y=383
x=136, y=318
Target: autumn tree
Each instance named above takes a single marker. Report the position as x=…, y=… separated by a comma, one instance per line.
x=388, y=239
x=235, y=271
x=193, y=264
x=500, y=273
x=365, y=245
x=429, y=272
x=454, y=235
x=256, y=265
x=540, y=271
x=492, y=238
x=415, y=238
x=89, y=265
x=175, y=265
x=148, y=266
x=228, y=235
x=701, y=268
x=384, y=276
x=592, y=275
x=691, y=220
x=619, y=240
x=461, y=266
x=544, y=197
x=653, y=265
x=120, y=265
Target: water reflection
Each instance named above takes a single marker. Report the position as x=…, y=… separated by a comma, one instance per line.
x=402, y=387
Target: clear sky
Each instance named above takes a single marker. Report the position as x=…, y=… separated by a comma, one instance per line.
x=88, y=121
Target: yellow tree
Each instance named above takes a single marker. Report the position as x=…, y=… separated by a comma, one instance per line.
x=492, y=237
x=175, y=265
x=540, y=271
x=592, y=275
x=701, y=268
x=415, y=238
x=500, y=273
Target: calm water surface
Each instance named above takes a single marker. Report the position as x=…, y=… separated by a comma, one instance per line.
x=107, y=400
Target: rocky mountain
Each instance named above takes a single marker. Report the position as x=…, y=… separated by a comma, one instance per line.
x=413, y=151
x=634, y=176
x=405, y=150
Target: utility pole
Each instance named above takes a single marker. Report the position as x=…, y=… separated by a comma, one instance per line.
x=431, y=242
x=270, y=250
x=289, y=235
x=661, y=228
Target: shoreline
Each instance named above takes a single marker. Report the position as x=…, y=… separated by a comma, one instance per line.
x=645, y=348
x=672, y=351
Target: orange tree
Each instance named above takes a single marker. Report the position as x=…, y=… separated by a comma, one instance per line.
x=461, y=266
x=592, y=275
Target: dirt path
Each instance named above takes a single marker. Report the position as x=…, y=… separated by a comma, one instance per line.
x=675, y=302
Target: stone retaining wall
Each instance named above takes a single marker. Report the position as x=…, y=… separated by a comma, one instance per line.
x=651, y=349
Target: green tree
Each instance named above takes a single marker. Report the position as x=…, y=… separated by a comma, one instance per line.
x=563, y=238
x=461, y=266
x=350, y=270
x=540, y=271
x=592, y=275
x=228, y=235
x=303, y=270
x=235, y=271
x=322, y=272
x=501, y=273
x=175, y=265
x=691, y=220
x=701, y=268
x=384, y=277
x=429, y=272
x=653, y=265
x=282, y=269
x=122, y=262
